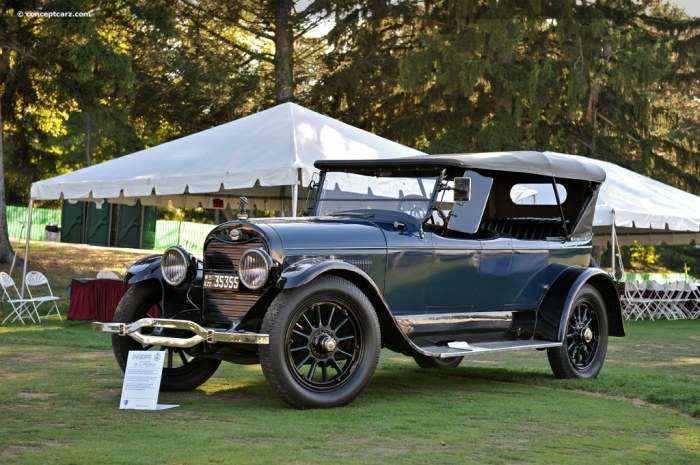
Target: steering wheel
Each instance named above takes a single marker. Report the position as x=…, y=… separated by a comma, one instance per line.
x=439, y=229
x=445, y=219
x=408, y=205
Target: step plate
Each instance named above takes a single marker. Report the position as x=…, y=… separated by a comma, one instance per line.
x=459, y=349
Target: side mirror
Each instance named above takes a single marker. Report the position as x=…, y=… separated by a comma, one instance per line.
x=463, y=189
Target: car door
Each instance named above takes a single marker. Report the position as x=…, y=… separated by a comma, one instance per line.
x=408, y=268
x=494, y=285
x=455, y=275
x=455, y=281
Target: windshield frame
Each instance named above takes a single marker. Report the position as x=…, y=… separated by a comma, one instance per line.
x=437, y=175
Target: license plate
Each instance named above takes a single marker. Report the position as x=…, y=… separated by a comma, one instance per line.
x=220, y=281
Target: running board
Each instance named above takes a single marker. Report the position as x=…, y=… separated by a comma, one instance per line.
x=458, y=348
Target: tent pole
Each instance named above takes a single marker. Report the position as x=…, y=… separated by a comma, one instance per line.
x=143, y=214
x=295, y=199
x=613, y=245
x=295, y=195
x=26, y=245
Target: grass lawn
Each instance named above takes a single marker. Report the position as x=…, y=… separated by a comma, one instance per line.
x=60, y=389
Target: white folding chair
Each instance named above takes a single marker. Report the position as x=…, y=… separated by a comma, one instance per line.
x=632, y=304
x=669, y=300
x=19, y=305
x=646, y=303
x=687, y=305
x=649, y=299
x=693, y=305
x=658, y=293
x=106, y=274
x=37, y=282
x=665, y=301
x=679, y=295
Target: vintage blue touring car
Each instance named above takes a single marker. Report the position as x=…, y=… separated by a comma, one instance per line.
x=434, y=257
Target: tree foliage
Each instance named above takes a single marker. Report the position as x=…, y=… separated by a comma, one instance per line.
x=611, y=79
x=615, y=80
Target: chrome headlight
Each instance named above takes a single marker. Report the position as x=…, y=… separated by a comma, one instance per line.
x=177, y=265
x=254, y=268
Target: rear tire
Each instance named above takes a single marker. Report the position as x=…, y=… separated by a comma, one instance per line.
x=182, y=371
x=586, y=338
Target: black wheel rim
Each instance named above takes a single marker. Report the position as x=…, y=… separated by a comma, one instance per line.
x=176, y=359
x=324, y=345
x=583, y=335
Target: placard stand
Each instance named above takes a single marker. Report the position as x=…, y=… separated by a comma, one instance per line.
x=144, y=370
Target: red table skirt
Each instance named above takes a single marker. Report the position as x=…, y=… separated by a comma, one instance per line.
x=95, y=299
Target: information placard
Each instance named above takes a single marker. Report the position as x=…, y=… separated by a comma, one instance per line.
x=144, y=370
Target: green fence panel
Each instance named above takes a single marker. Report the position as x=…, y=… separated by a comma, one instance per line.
x=148, y=241
x=17, y=221
x=661, y=278
x=189, y=235
x=192, y=236
x=167, y=233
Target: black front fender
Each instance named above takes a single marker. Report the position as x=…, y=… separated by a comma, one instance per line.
x=176, y=299
x=304, y=271
x=144, y=269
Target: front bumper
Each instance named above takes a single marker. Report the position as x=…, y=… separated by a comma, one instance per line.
x=199, y=333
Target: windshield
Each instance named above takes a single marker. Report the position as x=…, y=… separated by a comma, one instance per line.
x=345, y=192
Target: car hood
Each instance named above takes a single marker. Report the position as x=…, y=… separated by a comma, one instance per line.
x=324, y=233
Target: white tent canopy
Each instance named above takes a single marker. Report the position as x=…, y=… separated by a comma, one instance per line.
x=264, y=156
x=269, y=155
x=643, y=209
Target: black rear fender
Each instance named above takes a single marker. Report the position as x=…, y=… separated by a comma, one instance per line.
x=554, y=310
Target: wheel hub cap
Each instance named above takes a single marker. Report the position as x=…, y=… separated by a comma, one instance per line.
x=328, y=344
x=587, y=335
x=324, y=344
x=583, y=334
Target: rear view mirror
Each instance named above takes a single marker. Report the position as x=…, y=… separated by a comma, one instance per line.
x=462, y=189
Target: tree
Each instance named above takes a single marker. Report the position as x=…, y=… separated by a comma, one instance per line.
x=189, y=79
x=38, y=93
x=17, y=42
x=615, y=80
x=612, y=79
x=94, y=74
x=278, y=31
x=6, y=251
x=360, y=79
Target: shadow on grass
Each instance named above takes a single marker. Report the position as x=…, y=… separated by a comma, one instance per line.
x=396, y=382
x=649, y=366
x=252, y=391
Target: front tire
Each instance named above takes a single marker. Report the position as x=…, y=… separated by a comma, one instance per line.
x=427, y=362
x=586, y=339
x=324, y=344
x=182, y=371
